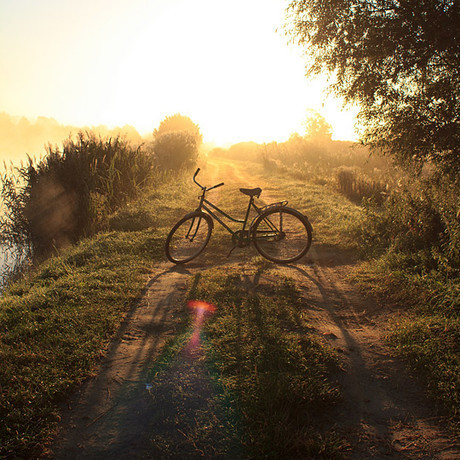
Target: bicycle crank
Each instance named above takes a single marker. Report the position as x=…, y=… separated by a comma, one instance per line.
x=240, y=239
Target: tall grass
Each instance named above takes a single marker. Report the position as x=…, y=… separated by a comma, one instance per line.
x=420, y=218
x=356, y=186
x=70, y=193
x=345, y=166
x=413, y=242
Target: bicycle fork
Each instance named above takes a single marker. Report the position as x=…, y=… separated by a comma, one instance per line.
x=187, y=236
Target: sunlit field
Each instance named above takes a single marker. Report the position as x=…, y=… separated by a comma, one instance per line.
x=360, y=208
x=307, y=308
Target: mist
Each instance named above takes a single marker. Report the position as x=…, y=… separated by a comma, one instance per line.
x=21, y=137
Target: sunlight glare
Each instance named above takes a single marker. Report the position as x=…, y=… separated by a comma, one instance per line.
x=224, y=65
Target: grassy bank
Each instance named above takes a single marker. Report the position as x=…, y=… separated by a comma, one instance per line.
x=56, y=323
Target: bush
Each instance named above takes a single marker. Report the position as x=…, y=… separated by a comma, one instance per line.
x=175, y=150
x=418, y=218
x=70, y=192
x=178, y=122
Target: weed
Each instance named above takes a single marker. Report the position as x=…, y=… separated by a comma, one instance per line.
x=70, y=192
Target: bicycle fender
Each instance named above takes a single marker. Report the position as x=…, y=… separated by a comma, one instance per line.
x=305, y=217
x=291, y=209
x=309, y=224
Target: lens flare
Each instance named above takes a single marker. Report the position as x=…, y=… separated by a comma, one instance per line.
x=200, y=306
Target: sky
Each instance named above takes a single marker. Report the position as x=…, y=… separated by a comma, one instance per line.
x=226, y=65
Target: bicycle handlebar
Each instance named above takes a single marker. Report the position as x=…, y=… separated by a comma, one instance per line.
x=215, y=186
x=204, y=188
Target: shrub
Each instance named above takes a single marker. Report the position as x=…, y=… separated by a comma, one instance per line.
x=175, y=150
x=178, y=122
x=418, y=218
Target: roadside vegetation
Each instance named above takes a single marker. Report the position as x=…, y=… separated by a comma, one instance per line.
x=403, y=225
x=87, y=222
x=401, y=68
x=404, y=228
x=74, y=190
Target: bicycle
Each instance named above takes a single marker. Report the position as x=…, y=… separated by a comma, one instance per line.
x=280, y=234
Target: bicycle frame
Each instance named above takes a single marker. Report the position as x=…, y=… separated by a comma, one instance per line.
x=210, y=208
x=206, y=205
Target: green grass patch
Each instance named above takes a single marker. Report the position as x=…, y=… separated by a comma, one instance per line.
x=430, y=342
x=57, y=322
x=427, y=335
x=273, y=373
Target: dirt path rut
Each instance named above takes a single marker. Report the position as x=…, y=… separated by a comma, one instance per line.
x=384, y=412
x=109, y=416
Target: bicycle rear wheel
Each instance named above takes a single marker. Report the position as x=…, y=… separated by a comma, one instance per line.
x=282, y=234
x=188, y=237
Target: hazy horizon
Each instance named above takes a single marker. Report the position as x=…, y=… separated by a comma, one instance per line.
x=22, y=136
x=228, y=67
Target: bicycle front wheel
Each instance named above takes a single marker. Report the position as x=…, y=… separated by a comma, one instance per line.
x=188, y=237
x=282, y=234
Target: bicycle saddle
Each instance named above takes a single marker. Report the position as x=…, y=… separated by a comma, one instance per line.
x=251, y=191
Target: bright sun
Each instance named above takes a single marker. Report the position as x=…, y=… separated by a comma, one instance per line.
x=223, y=64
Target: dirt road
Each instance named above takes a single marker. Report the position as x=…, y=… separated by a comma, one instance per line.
x=384, y=413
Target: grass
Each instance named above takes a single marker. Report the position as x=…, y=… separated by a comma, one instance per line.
x=427, y=333
x=267, y=375
x=333, y=217
x=56, y=323
x=422, y=282
x=264, y=377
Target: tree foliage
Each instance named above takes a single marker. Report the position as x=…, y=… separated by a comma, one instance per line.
x=317, y=128
x=400, y=61
x=175, y=150
x=178, y=122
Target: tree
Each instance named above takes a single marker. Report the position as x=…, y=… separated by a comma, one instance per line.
x=179, y=122
x=175, y=150
x=400, y=61
x=317, y=128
